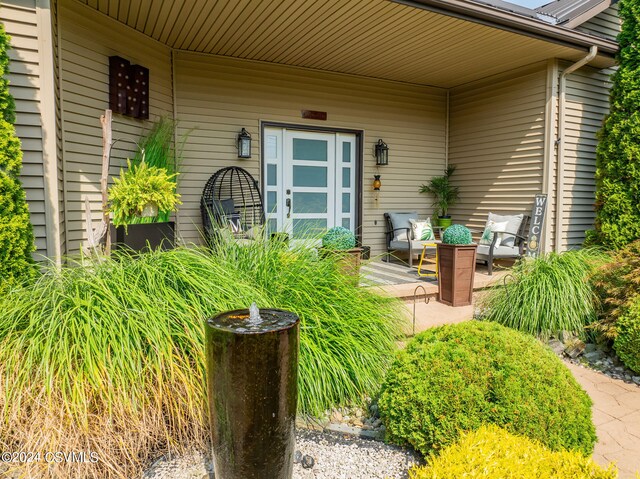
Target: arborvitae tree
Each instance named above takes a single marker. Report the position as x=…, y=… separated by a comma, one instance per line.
x=16, y=232
x=618, y=154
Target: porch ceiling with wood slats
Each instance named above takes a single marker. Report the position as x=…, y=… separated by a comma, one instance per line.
x=374, y=38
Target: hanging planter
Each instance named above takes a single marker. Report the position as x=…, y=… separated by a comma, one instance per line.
x=136, y=200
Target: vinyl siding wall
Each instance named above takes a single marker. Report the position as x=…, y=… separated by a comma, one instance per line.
x=497, y=144
x=587, y=103
x=605, y=24
x=217, y=96
x=21, y=23
x=88, y=38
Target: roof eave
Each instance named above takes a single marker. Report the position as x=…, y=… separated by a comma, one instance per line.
x=513, y=22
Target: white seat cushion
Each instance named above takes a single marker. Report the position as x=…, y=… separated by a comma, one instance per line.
x=499, y=252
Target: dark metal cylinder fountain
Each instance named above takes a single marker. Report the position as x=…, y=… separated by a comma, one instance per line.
x=252, y=369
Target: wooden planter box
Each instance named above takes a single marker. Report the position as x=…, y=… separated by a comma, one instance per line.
x=349, y=259
x=141, y=238
x=456, y=270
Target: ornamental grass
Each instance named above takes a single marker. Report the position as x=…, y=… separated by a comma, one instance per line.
x=107, y=355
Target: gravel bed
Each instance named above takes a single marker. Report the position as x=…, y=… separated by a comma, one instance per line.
x=334, y=457
x=594, y=356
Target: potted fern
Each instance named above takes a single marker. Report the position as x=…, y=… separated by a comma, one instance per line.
x=341, y=242
x=456, y=266
x=444, y=195
x=136, y=200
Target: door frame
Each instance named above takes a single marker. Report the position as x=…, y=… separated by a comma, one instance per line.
x=359, y=160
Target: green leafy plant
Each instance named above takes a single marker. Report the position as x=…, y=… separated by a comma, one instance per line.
x=618, y=153
x=157, y=148
x=493, y=453
x=459, y=377
x=445, y=195
x=548, y=294
x=339, y=238
x=109, y=354
x=139, y=186
x=627, y=342
x=457, y=234
x=16, y=232
x=617, y=286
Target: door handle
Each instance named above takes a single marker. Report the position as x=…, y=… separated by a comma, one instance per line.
x=288, y=203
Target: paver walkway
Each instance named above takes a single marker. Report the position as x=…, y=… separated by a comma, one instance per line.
x=616, y=404
x=616, y=414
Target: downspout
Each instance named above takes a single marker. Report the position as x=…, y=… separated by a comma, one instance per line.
x=446, y=133
x=593, y=51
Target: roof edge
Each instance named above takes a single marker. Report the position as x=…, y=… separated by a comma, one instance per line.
x=505, y=20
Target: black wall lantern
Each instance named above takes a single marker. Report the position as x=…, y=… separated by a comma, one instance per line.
x=382, y=153
x=244, y=144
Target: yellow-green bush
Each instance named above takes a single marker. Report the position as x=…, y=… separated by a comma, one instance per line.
x=493, y=453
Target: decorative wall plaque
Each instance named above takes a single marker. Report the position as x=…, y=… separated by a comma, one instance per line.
x=128, y=88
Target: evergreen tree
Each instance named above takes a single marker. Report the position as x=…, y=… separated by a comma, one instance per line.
x=16, y=232
x=618, y=154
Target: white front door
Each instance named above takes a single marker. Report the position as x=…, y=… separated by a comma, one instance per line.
x=310, y=181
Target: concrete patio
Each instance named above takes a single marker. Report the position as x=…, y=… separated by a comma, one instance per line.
x=616, y=404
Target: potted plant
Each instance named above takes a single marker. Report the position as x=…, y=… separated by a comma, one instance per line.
x=444, y=195
x=136, y=200
x=456, y=266
x=342, y=242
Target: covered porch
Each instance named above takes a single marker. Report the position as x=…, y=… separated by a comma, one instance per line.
x=440, y=83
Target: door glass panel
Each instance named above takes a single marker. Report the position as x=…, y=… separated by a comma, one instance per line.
x=315, y=176
x=346, y=152
x=346, y=177
x=271, y=147
x=272, y=202
x=346, y=223
x=306, y=228
x=309, y=150
x=309, y=202
x=272, y=226
x=272, y=175
x=346, y=202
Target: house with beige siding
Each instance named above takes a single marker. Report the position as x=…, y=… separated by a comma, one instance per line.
x=512, y=96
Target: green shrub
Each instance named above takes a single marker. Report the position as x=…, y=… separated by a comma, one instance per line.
x=339, y=238
x=617, y=286
x=457, y=234
x=16, y=232
x=109, y=355
x=456, y=378
x=493, y=453
x=547, y=294
x=627, y=342
x=617, y=173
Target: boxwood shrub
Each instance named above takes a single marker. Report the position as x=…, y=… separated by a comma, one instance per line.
x=456, y=378
x=627, y=342
x=493, y=453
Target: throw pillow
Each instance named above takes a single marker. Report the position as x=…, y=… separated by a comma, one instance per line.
x=513, y=225
x=422, y=230
x=491, y=229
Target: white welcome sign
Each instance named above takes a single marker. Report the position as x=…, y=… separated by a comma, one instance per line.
x=537, y=225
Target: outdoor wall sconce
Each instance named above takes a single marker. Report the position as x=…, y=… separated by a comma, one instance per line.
x=244, y=144
x=382, y=153
x=376, y=183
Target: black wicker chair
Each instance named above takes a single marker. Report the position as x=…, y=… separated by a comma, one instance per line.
x=231, y=200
